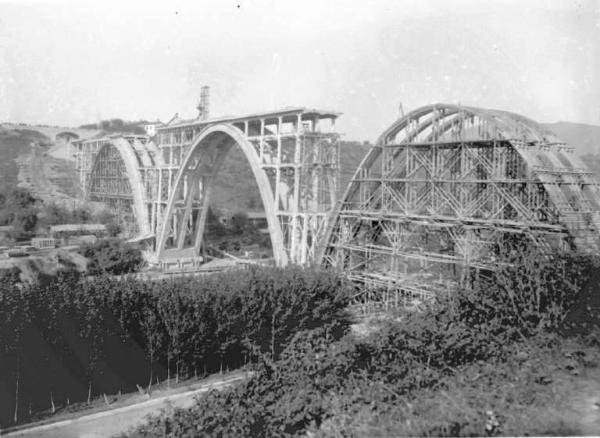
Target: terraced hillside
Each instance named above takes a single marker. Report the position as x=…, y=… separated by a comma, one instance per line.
x=30, y=157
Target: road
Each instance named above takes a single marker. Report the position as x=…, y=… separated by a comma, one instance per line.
x=113, y=422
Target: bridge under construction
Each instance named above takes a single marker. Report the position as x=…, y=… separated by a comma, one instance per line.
x=441, y=190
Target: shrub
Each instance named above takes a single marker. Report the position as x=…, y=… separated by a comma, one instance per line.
x=330, y=386
x=112, y=256
x=530, y=294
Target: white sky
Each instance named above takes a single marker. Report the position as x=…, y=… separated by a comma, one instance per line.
x=69, y=63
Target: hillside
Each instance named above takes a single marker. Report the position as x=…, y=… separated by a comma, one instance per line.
x=30, y=157
x=14, y=142
x=236, y=189
x=584, y=138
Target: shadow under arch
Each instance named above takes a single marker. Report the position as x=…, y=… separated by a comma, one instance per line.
x=192, y=189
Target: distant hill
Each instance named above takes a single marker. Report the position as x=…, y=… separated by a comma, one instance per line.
x=584, y=138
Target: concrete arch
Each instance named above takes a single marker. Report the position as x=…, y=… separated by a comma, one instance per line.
x=66, y=136
x=132, y=161
x=376, y=226
x=197, y=173
x=501, y=125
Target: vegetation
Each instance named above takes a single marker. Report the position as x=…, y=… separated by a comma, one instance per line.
x=493, y=347
x=26, y=214
x=240, y=232
x=112, y=256
x=68, y=338
x=112, y=126
x=13, y=143
x=17, y=208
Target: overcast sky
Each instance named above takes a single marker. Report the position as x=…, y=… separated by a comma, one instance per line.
x=69, y=63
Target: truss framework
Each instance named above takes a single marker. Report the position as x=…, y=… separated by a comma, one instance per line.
x=162, y=190
x=119, y=172
x=445, y=185
x=294, y=156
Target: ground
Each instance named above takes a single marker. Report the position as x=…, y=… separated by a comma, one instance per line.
x=44, y=261
x=124, y=412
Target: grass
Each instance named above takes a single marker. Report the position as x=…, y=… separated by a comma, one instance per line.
x=119, y=400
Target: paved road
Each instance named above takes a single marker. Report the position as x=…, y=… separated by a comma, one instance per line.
x=112, y=422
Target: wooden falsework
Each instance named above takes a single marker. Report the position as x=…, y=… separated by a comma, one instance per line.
x=162, y=188
x=445, y=187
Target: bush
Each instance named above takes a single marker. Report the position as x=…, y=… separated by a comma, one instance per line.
x=530, y=294
x=112, y=256
x=17, y=208
x=329, y=385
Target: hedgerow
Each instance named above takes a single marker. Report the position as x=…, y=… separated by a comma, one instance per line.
x=326, y=383
x=68, y=338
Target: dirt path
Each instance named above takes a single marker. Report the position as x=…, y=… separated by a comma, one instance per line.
x=113, y=422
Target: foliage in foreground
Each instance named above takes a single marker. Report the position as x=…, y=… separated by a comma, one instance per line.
x=328, y=384
x=69, y=338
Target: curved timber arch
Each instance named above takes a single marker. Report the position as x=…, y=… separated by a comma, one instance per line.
x=182, y=227
x=445, y=185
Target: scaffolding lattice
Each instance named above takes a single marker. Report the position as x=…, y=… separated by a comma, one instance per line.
x=445, y=185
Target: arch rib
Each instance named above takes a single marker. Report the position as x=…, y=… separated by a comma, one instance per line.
x=463, y=177
x=132, y=165
x=219, y=136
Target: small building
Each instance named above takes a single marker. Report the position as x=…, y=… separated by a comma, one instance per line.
x=150, y=128
x=43, y=242
x=64, y=232
x=257, y=219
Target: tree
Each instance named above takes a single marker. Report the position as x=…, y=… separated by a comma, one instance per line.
x=239, y=222
x=24, y=221
x=112, y=256
x=81, y=215
x=20, y=198
x=214, y=227
x=55, y=214
x=18, y=209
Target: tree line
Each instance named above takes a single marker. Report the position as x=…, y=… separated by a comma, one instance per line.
x=66, y=338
